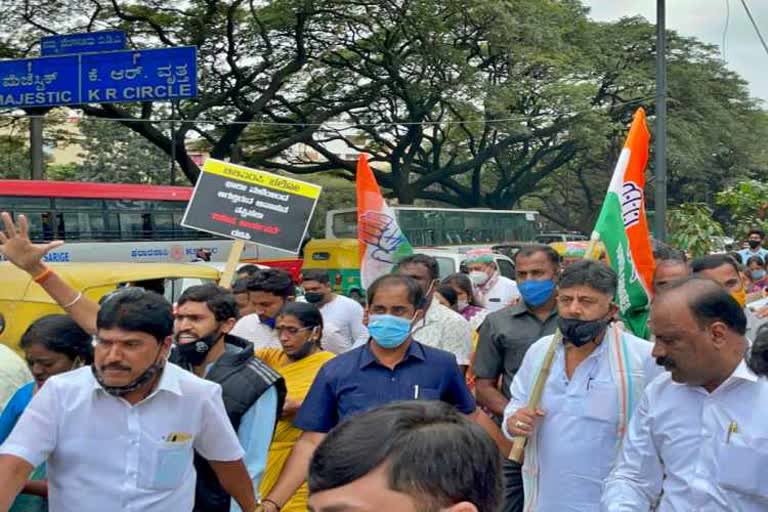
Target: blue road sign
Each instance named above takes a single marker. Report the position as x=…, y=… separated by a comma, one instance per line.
x=104, y=41
x=161, y=74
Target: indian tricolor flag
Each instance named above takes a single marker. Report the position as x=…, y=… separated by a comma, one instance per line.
x=623, y=227
x=382, y=242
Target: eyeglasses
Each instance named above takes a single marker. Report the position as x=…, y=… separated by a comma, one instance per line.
x=293, y=331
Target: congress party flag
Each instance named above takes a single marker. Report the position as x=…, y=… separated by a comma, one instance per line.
x=623, y=228
x=382, y=242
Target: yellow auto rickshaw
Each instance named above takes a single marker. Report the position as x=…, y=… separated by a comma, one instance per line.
x=23, y=301
x=340, y=257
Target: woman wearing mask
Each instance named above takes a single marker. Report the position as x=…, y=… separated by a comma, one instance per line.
x=758, y=280
x=465, y=299
x=299, y=327
x=52, y=345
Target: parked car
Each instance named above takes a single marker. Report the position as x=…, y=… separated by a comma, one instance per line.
x=450, y=262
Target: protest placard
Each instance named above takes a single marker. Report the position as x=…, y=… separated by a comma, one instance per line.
x=251, y=205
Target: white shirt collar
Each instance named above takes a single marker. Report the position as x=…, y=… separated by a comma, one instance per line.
x=169, y=381
x=743, y=372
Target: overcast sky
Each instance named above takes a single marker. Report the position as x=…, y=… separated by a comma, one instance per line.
x=705, y=20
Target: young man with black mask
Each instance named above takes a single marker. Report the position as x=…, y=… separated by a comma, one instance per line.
x=343, y=313
x=596, y=379
x=253, y=392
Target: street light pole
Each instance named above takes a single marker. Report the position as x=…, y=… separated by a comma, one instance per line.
x=660, y=182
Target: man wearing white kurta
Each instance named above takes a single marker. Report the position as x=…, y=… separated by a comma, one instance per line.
x=595, y=382
x=699, y=438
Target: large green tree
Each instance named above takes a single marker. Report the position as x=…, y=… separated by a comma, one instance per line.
x=497, y=103
x=715, y=128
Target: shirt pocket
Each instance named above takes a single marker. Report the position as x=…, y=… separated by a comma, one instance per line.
x=427, y=394
x=742, y=469
x=600, y=402
x=165, y=465
x=353, y=403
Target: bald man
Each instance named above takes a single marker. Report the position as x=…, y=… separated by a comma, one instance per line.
x=695, y=441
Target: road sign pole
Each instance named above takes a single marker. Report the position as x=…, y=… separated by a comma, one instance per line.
x=36, y=146
x=660, y=182
x=173, y=143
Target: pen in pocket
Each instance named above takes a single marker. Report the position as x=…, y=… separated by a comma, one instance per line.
x=733, y=428
x=416, y=392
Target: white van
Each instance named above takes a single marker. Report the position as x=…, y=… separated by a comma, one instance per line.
x=450, y=261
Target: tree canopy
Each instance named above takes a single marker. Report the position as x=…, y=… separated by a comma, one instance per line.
x=473, y=103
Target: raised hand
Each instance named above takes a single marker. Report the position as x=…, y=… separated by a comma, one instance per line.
x=16, y=246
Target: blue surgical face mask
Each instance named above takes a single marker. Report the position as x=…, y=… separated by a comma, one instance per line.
x=536, y=293
x=389, y=331
x=269, y=322
x=757, y=274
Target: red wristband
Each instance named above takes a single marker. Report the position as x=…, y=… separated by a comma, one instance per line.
x=43, y=276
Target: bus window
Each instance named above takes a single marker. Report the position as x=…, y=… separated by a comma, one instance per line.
x=78, y=204
x=112, y=228
x=135, y=226
x=345, y=225
x=20, y=204
x=163, y=226
x=129, y=204
x=81, y=225
x=40, y=226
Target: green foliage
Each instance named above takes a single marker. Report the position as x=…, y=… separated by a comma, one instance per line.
x=745, y=203
x=14, y=158
x=337, y=193
x=692, y=229
x=482, y=103
x=112, y=153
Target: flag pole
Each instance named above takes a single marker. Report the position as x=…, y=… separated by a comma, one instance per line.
x=660, y=183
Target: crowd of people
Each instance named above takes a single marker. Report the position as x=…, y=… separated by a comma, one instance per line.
x=257, y=398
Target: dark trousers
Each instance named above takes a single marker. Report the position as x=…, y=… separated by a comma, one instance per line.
x=513, y=486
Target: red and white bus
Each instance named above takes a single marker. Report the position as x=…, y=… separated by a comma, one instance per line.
x=103, y=222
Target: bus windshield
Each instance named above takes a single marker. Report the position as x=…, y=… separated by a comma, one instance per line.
x=426, y=227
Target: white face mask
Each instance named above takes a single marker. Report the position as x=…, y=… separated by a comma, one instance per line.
x=462, y=305
x=478, y=277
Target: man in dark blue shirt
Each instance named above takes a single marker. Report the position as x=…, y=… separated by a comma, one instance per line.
x=390, y=367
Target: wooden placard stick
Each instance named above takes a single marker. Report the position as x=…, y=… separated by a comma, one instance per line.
x=229, y=269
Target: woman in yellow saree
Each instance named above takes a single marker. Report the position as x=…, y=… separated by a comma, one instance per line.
x=299, y=327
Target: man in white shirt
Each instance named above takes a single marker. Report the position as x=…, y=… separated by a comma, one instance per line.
x=344, y=313
x=596, y=379
x=493, y=290
x=441, y=327
x=699, y=439
x=121, y=433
